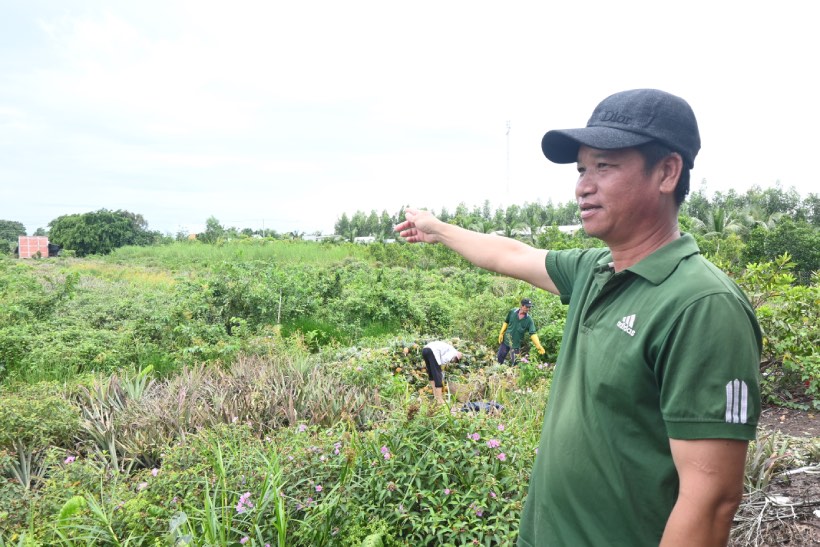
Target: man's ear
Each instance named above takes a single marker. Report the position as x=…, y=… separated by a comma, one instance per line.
x=669, y=170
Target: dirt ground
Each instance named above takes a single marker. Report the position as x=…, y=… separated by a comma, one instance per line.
x=788, y=512
x=795, y=423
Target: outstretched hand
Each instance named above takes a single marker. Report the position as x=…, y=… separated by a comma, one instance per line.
x=419, y=226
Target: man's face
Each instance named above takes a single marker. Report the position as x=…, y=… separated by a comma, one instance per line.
x=524, y=309
x=619, y=202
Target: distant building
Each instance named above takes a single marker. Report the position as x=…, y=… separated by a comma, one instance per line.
x=35, y=247
x=569, y=229
x=323, y=237
x=364, y=239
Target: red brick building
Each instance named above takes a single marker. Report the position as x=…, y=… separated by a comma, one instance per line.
x=29, y=246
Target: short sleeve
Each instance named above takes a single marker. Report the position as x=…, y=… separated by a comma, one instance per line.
x=565, y=266
x=708, y=369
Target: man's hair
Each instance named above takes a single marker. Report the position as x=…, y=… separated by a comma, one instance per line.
x=653, y=152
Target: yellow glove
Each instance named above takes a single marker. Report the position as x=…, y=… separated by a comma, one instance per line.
x=501, y=334
x=537, y=343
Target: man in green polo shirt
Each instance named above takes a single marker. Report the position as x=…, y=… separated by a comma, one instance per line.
x=517, y=323
x=655, y=393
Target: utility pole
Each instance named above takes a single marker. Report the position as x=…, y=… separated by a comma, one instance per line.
x=508, y=159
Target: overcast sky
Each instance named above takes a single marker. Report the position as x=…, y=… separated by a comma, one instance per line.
x=284, y=115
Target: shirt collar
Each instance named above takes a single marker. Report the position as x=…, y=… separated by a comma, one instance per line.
x=659, y=265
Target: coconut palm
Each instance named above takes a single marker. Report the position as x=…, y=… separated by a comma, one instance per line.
x=509, y=221
x=719, y=224
x=756, y=216
x=534, y=217
x=482, y=225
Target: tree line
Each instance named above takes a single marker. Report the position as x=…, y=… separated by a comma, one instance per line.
x=731, y=227
x=510, y=221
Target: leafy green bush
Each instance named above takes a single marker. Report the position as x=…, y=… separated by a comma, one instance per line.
x=36, y=416
x=789, y=316
x=441, y=480
x=33, y=420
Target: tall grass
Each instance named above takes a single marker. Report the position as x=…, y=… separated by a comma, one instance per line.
x=183, y=254
x=131, y=274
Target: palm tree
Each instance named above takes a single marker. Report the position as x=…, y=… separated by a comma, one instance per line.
x=534, y=217
x=482, y=225
x=509, y=220
x=719, y=224
x=755, y=216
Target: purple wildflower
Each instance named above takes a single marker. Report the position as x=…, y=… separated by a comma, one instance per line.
x=244, y=503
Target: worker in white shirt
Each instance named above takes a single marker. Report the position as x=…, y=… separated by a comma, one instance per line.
x=435, y=354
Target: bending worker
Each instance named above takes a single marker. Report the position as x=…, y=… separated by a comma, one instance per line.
x=517, y=323
x=435, y=354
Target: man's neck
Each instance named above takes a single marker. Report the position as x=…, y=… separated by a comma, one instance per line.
x=633, y=251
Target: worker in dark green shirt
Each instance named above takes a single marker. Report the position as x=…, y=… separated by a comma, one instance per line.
x=517, y=323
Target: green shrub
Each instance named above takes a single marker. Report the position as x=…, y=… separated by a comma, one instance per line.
x=789, y=316
x=441, y=480
x=37, y=417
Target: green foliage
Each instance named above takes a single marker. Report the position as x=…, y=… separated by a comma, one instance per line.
x=227, y=514
x=788, y=316
x=99, y=232
x=213, y=231
x=15, y=499
x=10, y=229
x=767, y=456
x=71, y=508
x=36, y=416
x=410, y=475
x=362, y=225
x=532, y=372
x=26, y=296
x=554, y=239
x=439, y=480
x=188, y=255
x=799, y=239
x=256, y=366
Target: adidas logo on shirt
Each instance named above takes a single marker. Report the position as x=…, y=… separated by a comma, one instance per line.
x=626, y=324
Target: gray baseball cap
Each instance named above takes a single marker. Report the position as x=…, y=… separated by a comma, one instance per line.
x=627, y=119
